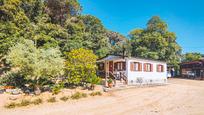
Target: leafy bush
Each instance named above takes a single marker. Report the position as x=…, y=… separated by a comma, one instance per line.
x=10, y=105
x=93, y=80
x=36, y=63
x=95, y=93
x=64, y=98
x=37, y=101
x=56, y=89
x=80, y=64
x=13, y=79
x=51, y=100
x=78, y=95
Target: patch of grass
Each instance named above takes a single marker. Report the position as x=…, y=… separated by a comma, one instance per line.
x=95, y=93
x=64, y=98
x=78, y=95
x=84, y=95
x=37, y=101
x=24, y=103
x=51, y=100
x=10, y=105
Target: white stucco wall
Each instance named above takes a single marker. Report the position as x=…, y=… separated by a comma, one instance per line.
x=141, y=77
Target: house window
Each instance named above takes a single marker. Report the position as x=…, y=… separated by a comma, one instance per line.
x=148, y=67
x=119, y=66
x=101, y=66
x=136, y=66
x=160, y=68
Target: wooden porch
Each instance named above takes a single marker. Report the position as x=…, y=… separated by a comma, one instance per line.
x=114, y=69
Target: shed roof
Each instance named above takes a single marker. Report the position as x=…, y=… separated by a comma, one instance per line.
x=115, y=57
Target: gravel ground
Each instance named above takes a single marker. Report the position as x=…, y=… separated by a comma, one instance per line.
x=180, y=97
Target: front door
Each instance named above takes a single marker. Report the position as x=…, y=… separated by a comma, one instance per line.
x=111, y=66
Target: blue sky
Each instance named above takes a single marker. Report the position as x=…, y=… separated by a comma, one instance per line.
x=184, y=17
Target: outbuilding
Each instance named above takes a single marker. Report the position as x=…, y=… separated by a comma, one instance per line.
x=192, y=69
x=132, y=70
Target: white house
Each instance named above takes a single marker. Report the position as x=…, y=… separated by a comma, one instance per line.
x=132, y=71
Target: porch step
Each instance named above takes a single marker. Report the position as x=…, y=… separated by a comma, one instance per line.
x=120, y=84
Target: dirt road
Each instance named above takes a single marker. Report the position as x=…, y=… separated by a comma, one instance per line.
x=180, y=97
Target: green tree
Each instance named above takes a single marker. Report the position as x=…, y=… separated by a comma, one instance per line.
x=80, y=66
x=120, y=45
x=33, y=9
x=60, y=10
x=155, y=42
x=36, y=64
x=191, y=57
x=13, y=23
x=87, y=32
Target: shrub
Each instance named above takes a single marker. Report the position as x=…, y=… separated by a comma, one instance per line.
x=10, y=105
x=95, y=93
x=13, y=79
x=36, y=63
x=78, y=95
x=24, y=103
x=93, y=80
x=52, y=100
x=56, y=89
x=64, y=98
x=37, y=101
x=80, y=64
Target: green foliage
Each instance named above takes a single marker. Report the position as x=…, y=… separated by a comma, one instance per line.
x=87, y=32
x=34, y=63
x=51, y=100
x=155, y=42
x=80, y=65
x=155, y=24
x=120, y=45
x=110, y=81
x=35, y=34
x=13, y=79
x=93, y=80
x=56, y=89
x=191, y=57
x=60, y=10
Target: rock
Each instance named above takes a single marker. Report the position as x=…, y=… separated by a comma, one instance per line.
x=27, y=91
x=13, y=98
x=37, y=92
x=9, y=91
x=16, y=91
x=2, y=91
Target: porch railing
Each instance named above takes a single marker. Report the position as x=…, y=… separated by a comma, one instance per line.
x=120, y=76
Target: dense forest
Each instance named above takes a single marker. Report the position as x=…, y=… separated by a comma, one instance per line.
x=59, y=23
x=38, y=36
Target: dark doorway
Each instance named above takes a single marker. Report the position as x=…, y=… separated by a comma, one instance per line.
x=111, y=66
